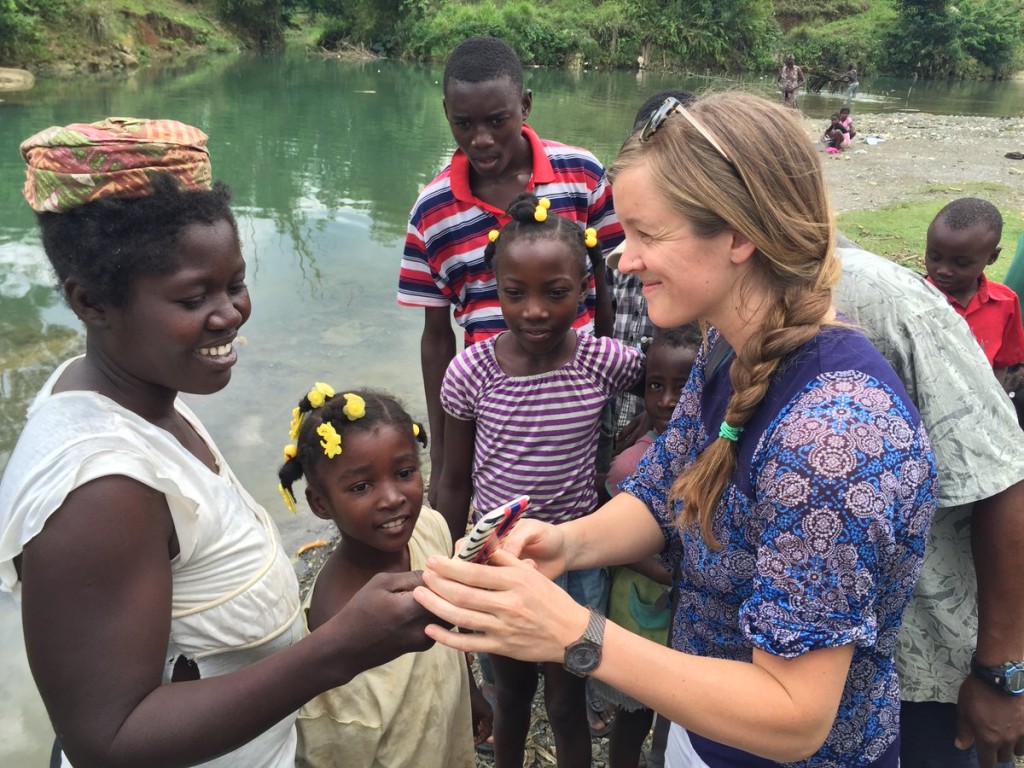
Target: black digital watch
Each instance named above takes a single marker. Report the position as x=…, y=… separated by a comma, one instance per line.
x=1008, y=678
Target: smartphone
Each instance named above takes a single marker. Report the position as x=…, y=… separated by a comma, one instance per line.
x=479, y=545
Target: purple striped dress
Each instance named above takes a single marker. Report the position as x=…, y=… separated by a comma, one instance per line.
x=538, y=434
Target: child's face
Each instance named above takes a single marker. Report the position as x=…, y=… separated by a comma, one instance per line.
x=486, y=120
x=668, y=368
x=373, y=490
x=176, y=330
x=844, y=114
x=834, y=118
x=541, y=285
x=956, y=258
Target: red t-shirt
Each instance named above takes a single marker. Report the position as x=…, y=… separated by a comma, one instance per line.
x=994, y=317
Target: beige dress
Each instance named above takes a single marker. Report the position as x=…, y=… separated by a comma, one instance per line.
x=412, y=712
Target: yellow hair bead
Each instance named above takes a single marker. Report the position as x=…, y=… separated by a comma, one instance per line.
x=590, y=237
x=290, y=451
x=541, y=214
x=493, y=235
x=355, y=406
x=319, y=394
x=331, y=442
x=544, y=203
x=296, y=424
x=415, y=430
x=288, y=498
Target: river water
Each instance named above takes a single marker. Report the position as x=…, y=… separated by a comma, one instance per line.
x=325, y=158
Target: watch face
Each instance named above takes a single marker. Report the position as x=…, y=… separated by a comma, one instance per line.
x=1015, y=680
x=582, y=658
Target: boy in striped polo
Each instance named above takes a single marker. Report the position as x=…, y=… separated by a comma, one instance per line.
x=498, y=157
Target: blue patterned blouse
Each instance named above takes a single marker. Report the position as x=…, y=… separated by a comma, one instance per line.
x=822, y=527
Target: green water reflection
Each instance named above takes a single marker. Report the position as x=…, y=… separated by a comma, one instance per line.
x=325, y=158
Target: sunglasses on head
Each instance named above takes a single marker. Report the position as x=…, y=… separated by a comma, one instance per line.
x=673, y=106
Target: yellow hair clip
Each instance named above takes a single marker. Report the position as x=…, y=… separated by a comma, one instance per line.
x=355, y=406
x=289, y=500
x=544, y=203
x=493, y=235
x=590, y=237
x=541, y=212
x=331, y=442
x=319, y=394
x=290, y=451
x=296, y=424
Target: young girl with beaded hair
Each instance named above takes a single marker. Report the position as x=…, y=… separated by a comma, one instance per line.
x=792, y=491
x=523, y=412
x=359, y=454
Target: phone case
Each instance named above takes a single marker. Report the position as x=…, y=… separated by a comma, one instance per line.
x=490, y=529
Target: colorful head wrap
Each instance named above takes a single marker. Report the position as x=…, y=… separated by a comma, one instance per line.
x=75, y=164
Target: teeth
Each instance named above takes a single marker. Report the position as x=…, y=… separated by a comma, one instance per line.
x=215, y=351
x=394, y=523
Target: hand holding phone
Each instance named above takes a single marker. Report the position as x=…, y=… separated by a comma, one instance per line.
x=479, y=545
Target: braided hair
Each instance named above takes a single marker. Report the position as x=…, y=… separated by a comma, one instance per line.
x=362, y=410
x=528, y=222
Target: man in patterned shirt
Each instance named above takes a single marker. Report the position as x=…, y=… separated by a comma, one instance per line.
x=970, y=597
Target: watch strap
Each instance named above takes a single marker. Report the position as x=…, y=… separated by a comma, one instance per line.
x=1008, y=678
x=595, y=627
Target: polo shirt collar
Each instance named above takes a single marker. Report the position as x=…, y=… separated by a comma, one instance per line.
x=543, y=173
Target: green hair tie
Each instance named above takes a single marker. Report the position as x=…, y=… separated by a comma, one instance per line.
x=729, y=432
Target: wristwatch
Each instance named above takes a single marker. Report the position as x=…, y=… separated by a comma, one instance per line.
x=1008, y=678
x=583, y=656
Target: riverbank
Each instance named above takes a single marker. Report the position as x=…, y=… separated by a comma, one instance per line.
x=923, y=156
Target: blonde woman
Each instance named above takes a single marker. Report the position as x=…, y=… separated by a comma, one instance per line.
x=791, y=493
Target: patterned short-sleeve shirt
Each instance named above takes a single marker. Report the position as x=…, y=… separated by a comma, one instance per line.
x=822, y=527
x=978, y=447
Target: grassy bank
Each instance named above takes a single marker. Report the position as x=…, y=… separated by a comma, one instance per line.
x=65, y=36
x=898, y=231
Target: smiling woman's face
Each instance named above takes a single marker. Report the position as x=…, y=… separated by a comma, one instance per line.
x=684, y=276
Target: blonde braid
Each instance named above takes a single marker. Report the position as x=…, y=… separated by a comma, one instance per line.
x=794, y=319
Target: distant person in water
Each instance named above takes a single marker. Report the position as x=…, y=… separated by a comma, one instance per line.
x=852, y=84
x=791, y=77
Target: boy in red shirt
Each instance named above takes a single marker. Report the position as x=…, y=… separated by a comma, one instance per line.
x=962, y=240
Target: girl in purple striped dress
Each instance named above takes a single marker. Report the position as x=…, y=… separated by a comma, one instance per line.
x=522, y=415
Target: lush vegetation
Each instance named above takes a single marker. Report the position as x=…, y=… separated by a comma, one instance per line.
x=930, y=38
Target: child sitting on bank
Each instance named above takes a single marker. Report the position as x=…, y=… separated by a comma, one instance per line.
x=523, y=411
x=359, y=454
x=847, y=121
x=837, y=135
x=639, y=593
x=962, y=240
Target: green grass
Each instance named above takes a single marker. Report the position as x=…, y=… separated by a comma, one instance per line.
x=898, y=231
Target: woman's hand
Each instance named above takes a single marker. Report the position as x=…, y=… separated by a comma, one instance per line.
x=542, y=544
x=512, y=607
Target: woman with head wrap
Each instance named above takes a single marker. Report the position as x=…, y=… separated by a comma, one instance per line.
x=160, y=612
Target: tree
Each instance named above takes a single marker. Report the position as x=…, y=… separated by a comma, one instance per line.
x=936, y=38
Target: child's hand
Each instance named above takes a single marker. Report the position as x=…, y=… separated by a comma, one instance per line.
x=483, y=715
